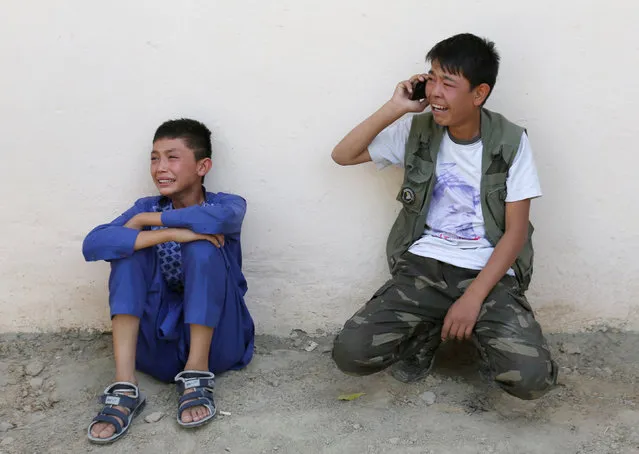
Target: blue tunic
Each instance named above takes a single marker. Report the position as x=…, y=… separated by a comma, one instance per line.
x=212, y=291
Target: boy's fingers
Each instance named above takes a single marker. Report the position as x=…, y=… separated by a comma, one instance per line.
x=445, y=329
x=469, y=332
x=454, y=331
x=417, y=77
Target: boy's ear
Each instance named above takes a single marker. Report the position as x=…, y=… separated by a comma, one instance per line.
x=203, y=166
x=481, y=93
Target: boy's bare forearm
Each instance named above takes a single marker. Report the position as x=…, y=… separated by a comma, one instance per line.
x=506, y=250
x=147, y=219
x=501, y=260
x=150, y=238
x=353, y=148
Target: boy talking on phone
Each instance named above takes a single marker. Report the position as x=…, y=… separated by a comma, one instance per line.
x=460, y=251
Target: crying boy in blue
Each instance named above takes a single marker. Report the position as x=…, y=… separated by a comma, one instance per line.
x=176, y=289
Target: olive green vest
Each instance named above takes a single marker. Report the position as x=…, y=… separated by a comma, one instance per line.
x=500, y=140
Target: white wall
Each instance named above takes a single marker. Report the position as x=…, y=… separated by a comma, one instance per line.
x=85, y=83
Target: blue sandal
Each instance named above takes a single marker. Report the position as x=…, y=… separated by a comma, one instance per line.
x=202, y=395
x=114, y=395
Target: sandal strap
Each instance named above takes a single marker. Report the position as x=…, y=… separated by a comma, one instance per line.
x=109, y=419
x=194, y=379
x=202, y=402
x=198, y=394
x=115, y=412
x=121, y=387
x=119, y=400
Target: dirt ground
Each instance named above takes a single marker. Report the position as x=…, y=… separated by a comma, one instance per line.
x=286, y=401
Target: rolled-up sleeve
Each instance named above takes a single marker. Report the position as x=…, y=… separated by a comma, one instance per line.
x=112, y=241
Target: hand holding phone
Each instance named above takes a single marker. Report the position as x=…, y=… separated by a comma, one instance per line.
x=410, y=95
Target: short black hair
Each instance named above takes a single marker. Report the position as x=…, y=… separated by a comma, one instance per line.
x=469, y=56
x=195, y=134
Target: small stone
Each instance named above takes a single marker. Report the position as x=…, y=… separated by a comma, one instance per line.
x=54, y=397
x=428, y=397
x=5, y=426
x=570, y=349
x=34, y=368
x=273, y=382
x=25, y=393
x=36, y=382
x=311, y=346
x=227, y=449
x=225, y=413
x=357, y=426
x=297, y=343
x=394, y=441
x=607, y=371
x=154, y=417
x=298, y=333
x=7, y=441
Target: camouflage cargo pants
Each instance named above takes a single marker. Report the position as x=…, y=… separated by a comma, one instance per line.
x=405, y=317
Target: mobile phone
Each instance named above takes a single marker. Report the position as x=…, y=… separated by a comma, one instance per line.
x=419, y=91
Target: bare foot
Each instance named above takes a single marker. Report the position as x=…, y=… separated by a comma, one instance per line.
x=193, y=414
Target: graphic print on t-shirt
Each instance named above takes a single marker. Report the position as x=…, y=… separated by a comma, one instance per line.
x=454, y=206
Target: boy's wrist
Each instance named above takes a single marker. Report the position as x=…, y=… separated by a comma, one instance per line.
x=477, y=291
x=168, y=235
x=393, y=110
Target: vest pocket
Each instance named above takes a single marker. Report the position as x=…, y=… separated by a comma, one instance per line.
x=417, y=177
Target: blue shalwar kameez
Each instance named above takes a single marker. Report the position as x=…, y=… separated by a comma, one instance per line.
x=172, y=285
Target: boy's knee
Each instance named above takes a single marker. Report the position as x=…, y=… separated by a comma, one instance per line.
x=352, y=354
x=529, y=379
x=132, y=271
x=141, y=258
x=201, y=253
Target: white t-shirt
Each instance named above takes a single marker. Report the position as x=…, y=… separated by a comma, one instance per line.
x=455, y=224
